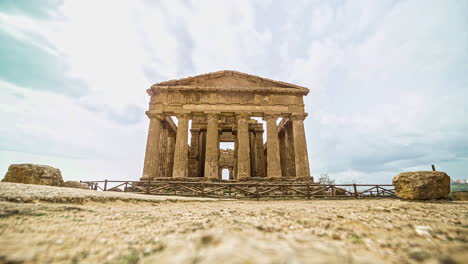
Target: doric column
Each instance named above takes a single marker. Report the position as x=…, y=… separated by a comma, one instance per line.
x=212, y=147
x=300, y=146
x=260, y=160
x=170, y=153
x=273, y=156
x=201, y=154
x=181, y=154
x=291, y=168
x=253, y=154
x=194, y=153
x=151, y=165
x=163, y=149
x=283, y=152
x=243, y=152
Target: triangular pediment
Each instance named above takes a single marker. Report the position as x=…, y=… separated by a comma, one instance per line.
x=228, y=79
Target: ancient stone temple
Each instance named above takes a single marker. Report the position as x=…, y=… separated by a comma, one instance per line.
x=226, y=106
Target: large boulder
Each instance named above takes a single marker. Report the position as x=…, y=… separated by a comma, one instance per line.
x=422, y=185
x=75, y=184
x=33, y=174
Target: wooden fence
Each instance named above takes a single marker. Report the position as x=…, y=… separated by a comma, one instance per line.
x=247, y=190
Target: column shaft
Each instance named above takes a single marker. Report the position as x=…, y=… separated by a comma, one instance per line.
x=194, y=151
x=300, y=146
x=282, y=147
x=291, y=169
x=273, y=156
x=162, y=150
x=253, y=154
x=212, y=147
x=150, y=167
x=260, y=159
x=243, y=152
x=170, y=153
x=181, y=150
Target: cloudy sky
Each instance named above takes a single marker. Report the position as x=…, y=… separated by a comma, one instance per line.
x=388, y=80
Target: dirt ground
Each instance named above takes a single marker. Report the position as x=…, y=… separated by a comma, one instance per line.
x=227, y=231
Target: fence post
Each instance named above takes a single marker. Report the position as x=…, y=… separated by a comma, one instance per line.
x=148, y=186
x=229, y=190
x=203, y=189
x=125, y=188
x=378, y=193
x=256, y=192
x=433, y=168
x=333, y=190
x=175, y=188
x=308, y=191
x=105, y=185
x=355, y=191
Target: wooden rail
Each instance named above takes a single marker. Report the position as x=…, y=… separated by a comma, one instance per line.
x=240, y=190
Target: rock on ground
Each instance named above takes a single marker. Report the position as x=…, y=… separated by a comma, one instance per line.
x=33, y=174
x=75, y=184
x=422, y=185
x=460, y=196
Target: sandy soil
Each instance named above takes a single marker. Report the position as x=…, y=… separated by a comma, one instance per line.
x=216, y=231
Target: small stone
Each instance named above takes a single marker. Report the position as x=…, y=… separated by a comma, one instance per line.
x=147, y=251
x=423, y=230
x=419, y=254
x=59, y=241
x=133, y=242
x=388, y=226
x=336, y=236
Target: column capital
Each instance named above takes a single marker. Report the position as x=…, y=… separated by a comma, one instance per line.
x=241, y=116
x=155, y=115
x=212, y=116
x=268, y=117
x=183, y=115
x=300, y=117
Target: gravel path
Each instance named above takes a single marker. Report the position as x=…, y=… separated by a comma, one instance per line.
x=227, y=231
x=15, y=192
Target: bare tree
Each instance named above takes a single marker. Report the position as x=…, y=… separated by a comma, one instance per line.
x=325, y=179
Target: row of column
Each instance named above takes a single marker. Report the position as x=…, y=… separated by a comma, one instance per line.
x=154, y=160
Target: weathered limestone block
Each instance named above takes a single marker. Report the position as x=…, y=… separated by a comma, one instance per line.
x=33, y=174
x=422, y=185
x=75, y=184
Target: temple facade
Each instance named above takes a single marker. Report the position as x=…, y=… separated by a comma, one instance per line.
x=225, y=107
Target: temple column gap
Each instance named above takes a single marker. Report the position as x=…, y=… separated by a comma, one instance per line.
x=180, y=169
x=273, y=156
x=212, y=147
x=243, y=152
x=300, y=146
x=151, y=165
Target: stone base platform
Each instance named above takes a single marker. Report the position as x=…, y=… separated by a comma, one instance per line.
x=289, y=180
